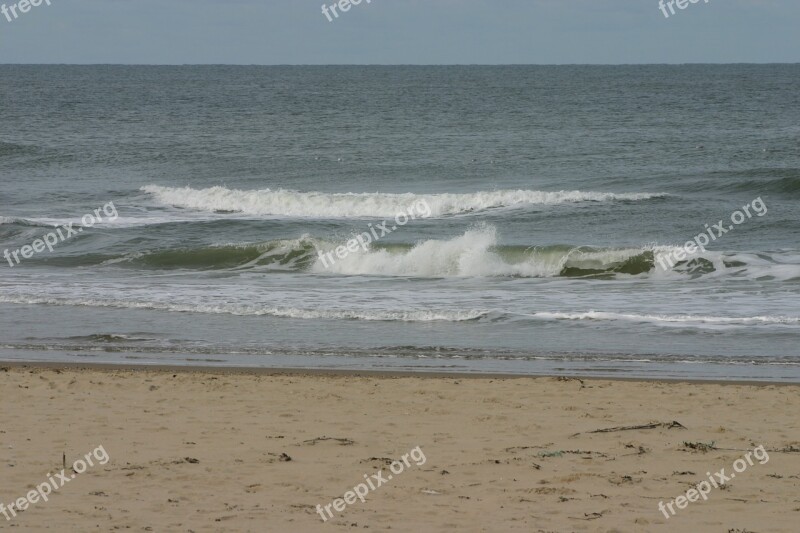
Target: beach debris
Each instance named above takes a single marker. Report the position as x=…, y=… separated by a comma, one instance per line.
x=551, y=454
x=640, y=450
x=283, y=457
x=428, y=491
x=786, y=449
x=652, y=425
x=191, y=460
x=622, y=480
x=700, y=446
x=553, y=490
x=343, y=442
x=566, y=378
x=559, y=453
x=520, y=448
x=588, y=516
x=385, y=460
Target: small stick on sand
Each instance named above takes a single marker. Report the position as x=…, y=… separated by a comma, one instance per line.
x=652, y=425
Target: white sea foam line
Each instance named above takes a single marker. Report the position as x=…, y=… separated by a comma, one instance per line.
x=425, y=315
x=283, y=202
x=122, y=222
x=682, y=319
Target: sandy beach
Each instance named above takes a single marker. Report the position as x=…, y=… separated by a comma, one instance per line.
x=191, y=450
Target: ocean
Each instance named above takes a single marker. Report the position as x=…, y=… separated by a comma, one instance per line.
x=551, y=197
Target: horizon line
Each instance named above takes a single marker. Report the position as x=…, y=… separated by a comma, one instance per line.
x=393, y=64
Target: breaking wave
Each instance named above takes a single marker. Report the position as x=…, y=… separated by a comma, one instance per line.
x=476, y=253
x=288, y=203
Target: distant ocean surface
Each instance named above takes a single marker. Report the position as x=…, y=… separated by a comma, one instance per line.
x=552, y=189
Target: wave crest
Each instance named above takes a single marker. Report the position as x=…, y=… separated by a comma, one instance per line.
x=288, y=203
x=476, y=253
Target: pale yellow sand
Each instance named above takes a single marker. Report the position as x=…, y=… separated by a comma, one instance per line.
x=194, y=451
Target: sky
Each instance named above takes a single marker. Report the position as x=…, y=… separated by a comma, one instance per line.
x=280, y=32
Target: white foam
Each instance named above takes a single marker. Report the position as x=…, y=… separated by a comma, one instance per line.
x=777, y=265
x=473, y=254
x=19, y=220
x=148, y=219
x=669, y=319
x=412, y=315
x=288, y=203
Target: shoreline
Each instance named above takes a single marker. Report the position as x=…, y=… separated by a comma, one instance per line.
x=333, y=372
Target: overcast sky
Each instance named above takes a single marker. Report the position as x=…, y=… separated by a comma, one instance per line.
x=269, y=32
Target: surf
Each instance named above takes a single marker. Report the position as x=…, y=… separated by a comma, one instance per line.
x=290, y=203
